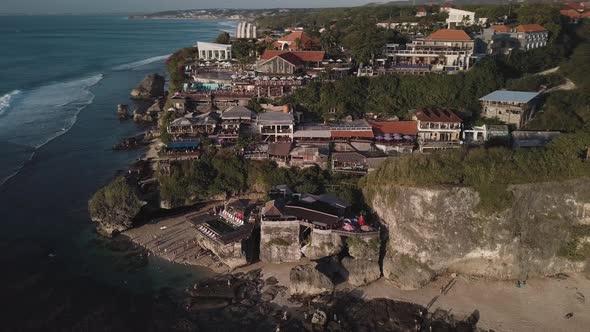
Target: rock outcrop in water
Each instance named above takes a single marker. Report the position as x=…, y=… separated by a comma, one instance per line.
x=114, y=206
x=545, y=231
x=122, y=111
x=152, y=86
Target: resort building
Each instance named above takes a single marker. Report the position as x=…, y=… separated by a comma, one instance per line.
x=297, y=41
x=511, y=107
x=279, y=152
x=444, y=50
x=275, y=126
x=213, y=51
x=312, y=133
x=232, y=121
x=246, y=30
x=305, y=156
x=421, y=12
x=398, y=136
x=458, y=17
x=289, y=62
x=193, y=124
x=531, y=36
x=349, y=162
x=500, y=39
x=437, y=129
x=353, y=130
x=481, y=134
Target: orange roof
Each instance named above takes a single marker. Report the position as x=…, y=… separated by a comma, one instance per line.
x=305, y=56
x=440, y=115
x=500, y=28
x=306, y=41
x=449, y=34
x=530, y=28
x=351, y=133
x=421, y=10
x=575, y=6
x=395, y=127
x=574, y=14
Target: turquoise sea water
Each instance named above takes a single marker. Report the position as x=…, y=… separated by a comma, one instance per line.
x=61, y=78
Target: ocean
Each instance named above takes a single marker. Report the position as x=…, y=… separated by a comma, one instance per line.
x=61, y=78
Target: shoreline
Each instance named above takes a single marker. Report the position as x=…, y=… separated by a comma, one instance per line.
x=544, y=302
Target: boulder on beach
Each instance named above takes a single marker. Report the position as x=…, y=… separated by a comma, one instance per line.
x=152, y=86
x=306, y=280
x=361, y=271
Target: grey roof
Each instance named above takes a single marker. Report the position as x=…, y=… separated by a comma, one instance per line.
x=237, y=113
x=510, y=96
x=276, y=117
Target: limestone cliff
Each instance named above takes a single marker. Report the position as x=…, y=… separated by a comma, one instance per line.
x=152, y=86
x=322, y=245
x=279, y=241
x=545, y=230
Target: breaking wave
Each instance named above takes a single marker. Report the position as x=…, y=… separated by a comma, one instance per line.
x=141, y=63
x=39, y=116
x=6, y=99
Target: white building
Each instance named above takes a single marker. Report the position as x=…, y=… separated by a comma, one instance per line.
x=531, y=36
x=246, y=30
x=460, y=17
x=275, y=126
x=213, y=51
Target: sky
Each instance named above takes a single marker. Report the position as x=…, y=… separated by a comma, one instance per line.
x=142, y=6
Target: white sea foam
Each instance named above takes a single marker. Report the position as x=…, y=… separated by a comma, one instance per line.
x=6, y=99
x=42, y=114
x=46, y=112
x=141, y=63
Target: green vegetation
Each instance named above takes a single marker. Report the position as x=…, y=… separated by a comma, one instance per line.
x=225, y=173
x=575, y=249
x=175, y=64
x=534, y=83
x=116, y=204
x=567, y=111
x=222, y=38
x=489, y=171
x=396, y=94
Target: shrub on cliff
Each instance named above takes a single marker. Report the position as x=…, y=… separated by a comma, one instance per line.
x=114, y=206
x=489, y=171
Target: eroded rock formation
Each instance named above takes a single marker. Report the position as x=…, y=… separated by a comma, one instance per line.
x=432, y=230
x=306, y=280
x=152, y=86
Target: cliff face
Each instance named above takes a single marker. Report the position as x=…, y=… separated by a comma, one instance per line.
x=545, y=231
x=279, y=241
x=152, y=86
x=322, y=245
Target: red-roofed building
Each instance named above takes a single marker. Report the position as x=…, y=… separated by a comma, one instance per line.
x=437, y=129
x=500, y=28
x=574, y=15
x=305, y=56
x=358, y=129
x=444, y=50
x=288, y=63
x=445, y=7
x=397, y=136
x=297, y=41
x=421, y=12
x=531, y=36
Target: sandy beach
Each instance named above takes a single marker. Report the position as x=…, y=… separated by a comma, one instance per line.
x=540, y=306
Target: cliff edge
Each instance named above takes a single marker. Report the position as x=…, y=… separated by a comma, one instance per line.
x=545, y=230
